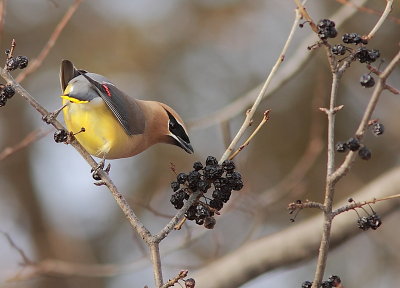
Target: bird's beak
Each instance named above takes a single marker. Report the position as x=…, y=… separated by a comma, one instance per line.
x=185, y=145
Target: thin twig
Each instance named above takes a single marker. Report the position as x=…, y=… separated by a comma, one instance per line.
x=29, y=139
x=26, y=260
x=382, y=19
x=263, y=121
x=354, y=205
x=368, y=10
x=37, y=62
x=387, y=86
x=182, y=274
x=261, y=95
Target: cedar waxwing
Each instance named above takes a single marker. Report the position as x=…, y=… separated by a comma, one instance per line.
x=115, y=124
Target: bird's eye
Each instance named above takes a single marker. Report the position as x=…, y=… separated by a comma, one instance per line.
x=171, y=125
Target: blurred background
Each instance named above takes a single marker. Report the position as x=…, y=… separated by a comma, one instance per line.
x=196, y=56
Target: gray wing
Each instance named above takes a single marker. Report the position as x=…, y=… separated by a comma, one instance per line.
x=125, y=109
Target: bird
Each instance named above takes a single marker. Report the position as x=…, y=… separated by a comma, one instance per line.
x=114, y=124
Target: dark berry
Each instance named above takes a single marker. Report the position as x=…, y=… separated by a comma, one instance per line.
x=338, y=49
x=378, y=128
x=352, y=38
x=211, y=160
x=362, y=55
x=177, y=199
x=3, y=100
x=213, y=171
x=8, y=91
x=191, y=213
x=216, y=204
x=175, y=186
x=22, y=61
x=222, y=195
x=363, y=223
x=353, y=144
x=202, y=212
x=12, y=64
x=197, y=166
x=306, y=284
x=373, y=55
x=341, y=147
x=374, y=221
x=367, y=81
x=203, y=186
x=60, y=136
x=181, y=178
x=190, y=283
x=364, y=153
x=237, y=185
x=209, y=222
x=326, y=284
x=325, y=23
x=228, y=165
x=334, y=280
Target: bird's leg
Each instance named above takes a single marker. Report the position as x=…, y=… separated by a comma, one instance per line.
x=100, y=166
x=53, y=115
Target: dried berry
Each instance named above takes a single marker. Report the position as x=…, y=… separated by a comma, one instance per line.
x=197, y=166
x=364, y=153
x=378, y=128
x=12, y=64
x=22, y=61
x=209, y=222
x=60, y=136
x=306, y=284
x=341, y=147
x=334, y=280
x=8, y=91
x=367, y=81
x=353, y=144
x=181, y=178
x=338, y=49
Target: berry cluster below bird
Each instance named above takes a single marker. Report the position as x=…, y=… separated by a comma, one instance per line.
x=333, y=281
x=222, y=178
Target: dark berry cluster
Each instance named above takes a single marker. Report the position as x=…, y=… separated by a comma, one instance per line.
x=6, y=92
x=326, y=29
x=333, y=281
x=60, y=136
x=354, y=145
x=372, y=221
x=365, y=55
x=223, y=179
x=353, y=38
x=20, y=62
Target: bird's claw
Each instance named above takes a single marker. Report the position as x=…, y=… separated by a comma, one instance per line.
x=100, y=166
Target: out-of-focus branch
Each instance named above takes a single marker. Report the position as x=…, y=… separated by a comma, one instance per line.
x=368, y=10
x=37, y=62
x=263, y=91
x=287, y=71
x=29, y=139
x=297, y=243
x=2, y=17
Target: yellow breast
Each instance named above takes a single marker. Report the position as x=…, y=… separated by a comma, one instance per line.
x=104, y=136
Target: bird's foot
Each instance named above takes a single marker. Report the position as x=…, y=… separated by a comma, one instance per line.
x=50, y=117
x=95, y=171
